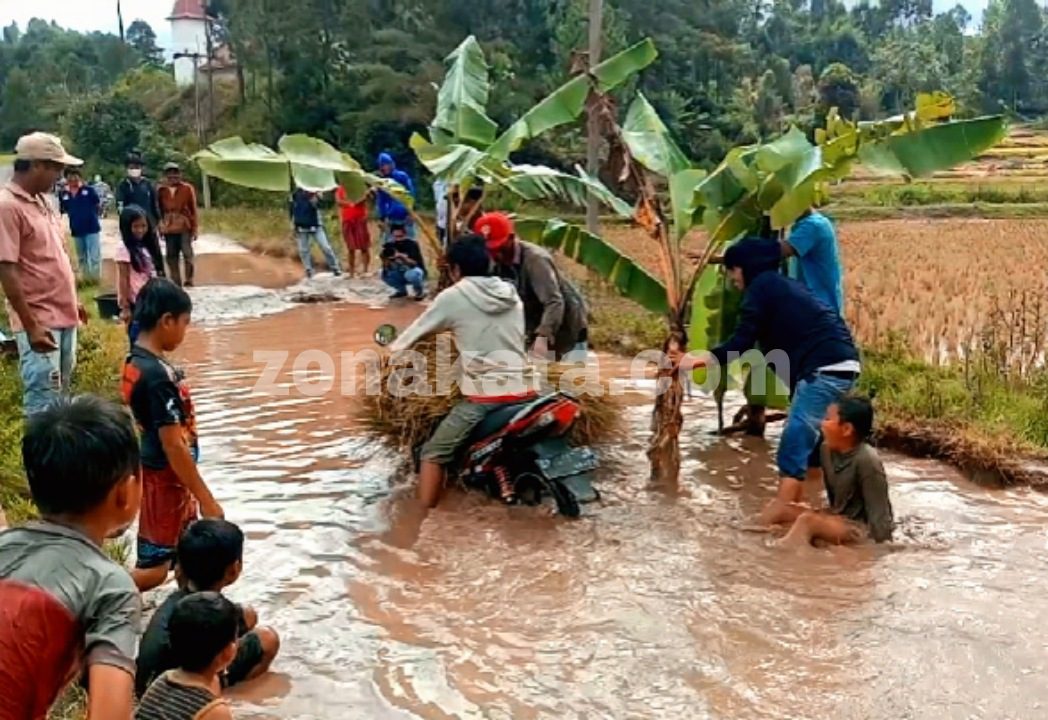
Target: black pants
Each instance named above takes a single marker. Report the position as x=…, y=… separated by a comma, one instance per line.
x=156, y=254
x=179, y=245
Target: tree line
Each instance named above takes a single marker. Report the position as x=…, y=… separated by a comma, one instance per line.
x=362, y=73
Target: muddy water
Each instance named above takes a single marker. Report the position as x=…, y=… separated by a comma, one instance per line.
x=653, y=605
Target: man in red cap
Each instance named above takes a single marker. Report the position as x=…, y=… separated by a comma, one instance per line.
x=554, y=311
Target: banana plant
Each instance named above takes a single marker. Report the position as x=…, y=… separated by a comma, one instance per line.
x=767, y=186
x=464, y=147
x=299, y=161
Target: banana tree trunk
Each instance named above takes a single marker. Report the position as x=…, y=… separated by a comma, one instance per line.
x=667, y=419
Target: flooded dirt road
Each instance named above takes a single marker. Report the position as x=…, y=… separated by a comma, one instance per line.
x=653, y=605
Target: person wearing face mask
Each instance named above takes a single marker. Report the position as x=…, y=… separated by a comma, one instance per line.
x=136, y=189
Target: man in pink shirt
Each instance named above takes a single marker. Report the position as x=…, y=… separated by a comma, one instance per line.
x=36, y=273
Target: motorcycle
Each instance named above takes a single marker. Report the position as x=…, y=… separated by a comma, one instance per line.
x=519, y=453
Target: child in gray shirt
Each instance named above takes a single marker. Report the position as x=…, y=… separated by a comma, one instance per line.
x=856, y=487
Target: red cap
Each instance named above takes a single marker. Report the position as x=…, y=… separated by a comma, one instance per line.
x=496, y=229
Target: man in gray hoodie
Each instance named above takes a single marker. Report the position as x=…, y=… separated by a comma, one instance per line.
x=486, y=317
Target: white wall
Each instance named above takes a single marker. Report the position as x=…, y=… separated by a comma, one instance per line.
x=187, y=36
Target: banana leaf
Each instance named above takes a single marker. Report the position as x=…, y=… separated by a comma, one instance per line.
x=303, y=161
x=253, y=165
x=536, y=182
x=458, y=164
x=714, y=313
x=650, y=142
x=463, y=98
x=682, y=190
x=930, y=149
x=453, y=163
x=625, y=275
x=565, y=104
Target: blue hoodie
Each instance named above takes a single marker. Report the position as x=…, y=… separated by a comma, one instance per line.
x=389, y=208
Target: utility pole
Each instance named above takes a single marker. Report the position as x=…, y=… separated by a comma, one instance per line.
x=120, y=20
x=196, y=57
x=596, y=26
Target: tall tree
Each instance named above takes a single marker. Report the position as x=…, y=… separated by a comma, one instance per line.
x=141, y=37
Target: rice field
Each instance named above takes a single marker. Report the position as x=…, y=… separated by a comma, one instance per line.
x=941, y=288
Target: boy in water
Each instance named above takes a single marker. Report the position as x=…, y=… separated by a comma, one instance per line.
x=855, y=483
x=210, y=558
x=66, y=609
x=203, y=644
x=160, y=400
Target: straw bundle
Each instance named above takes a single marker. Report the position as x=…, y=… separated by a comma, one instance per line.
x=407, y=420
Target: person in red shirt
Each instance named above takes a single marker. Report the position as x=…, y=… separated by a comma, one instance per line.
x=355, y=230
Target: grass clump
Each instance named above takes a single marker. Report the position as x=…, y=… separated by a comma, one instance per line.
x=407, y=421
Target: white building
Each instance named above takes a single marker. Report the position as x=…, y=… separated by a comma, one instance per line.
x=188, y=35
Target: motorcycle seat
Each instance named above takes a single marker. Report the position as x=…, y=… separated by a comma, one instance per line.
x=502, y=415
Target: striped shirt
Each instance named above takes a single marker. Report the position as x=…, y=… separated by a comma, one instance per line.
x=175, y=697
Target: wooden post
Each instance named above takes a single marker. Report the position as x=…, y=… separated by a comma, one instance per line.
x=596, y=24
x=205, y=184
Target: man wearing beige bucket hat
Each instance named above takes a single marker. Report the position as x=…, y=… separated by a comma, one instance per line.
x=36, y=273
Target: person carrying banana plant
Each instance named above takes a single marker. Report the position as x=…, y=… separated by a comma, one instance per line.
x=808, y=345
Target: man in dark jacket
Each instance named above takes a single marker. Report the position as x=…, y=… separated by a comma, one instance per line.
x=136, y=189
x=309, y=228
x=554, y=311
x=805, y=341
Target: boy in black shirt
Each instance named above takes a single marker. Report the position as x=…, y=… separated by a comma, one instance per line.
x=173, y=490
x=210, y=558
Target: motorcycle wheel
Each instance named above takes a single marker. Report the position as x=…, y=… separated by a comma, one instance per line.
x=567, y=505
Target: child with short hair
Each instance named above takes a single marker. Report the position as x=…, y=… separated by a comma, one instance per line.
x=855, y=482
x=203, y=644
x=210, y=558
x=160, y=400
x=66, y=609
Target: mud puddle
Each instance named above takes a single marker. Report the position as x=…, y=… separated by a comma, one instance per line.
x=653, y=605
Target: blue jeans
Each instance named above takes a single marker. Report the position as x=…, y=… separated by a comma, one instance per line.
x=305, y=238
x=812, y=397
x=45, y=375
x=89, y=255
x=399, y=278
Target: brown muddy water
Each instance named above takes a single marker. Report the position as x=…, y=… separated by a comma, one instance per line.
x=653, y=605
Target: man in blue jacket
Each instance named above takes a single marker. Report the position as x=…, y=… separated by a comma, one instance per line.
x=81, y=204
x=390, y=210
x=804, y=340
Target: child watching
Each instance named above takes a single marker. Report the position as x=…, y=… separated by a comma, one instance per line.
x=203, y=644
x=65, y=607
x=210, y=558
x=134, y=265
x=855, y=482
x=161, y=403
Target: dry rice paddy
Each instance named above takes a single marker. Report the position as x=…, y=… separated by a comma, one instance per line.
x=941, y=286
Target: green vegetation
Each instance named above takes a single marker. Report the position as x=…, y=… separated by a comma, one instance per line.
x=101, y=350
x=362, y=76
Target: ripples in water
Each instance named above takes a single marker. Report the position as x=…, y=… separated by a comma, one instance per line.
x=655, y=604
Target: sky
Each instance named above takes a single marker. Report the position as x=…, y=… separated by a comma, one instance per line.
x=87, y=15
